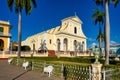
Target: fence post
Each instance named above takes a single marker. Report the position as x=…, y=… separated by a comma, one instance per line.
x=96, y=71
x=104, y=75
x=89, y=73
x=62, y=70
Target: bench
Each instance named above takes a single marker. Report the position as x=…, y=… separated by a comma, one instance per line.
x=48, y=69
x=25, y=64
x=10, y=60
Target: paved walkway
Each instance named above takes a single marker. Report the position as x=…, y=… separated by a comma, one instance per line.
x=11, y=72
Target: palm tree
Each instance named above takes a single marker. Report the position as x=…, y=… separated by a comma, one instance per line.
x=100, y=39
x=105, y=3
x=99, y=19
x=19, y=6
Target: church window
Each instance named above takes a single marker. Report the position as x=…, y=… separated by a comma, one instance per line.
x=1, y=29
x=50, y=41
x=58, y=44
x=75, y=30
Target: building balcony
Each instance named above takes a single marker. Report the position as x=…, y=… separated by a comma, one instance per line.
x=5, y=35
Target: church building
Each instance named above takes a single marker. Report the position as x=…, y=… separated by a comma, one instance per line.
x=66, y=37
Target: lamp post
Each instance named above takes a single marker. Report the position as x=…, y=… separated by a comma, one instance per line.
x=33, y=41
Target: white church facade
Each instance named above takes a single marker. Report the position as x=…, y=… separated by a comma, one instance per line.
x=64, y=38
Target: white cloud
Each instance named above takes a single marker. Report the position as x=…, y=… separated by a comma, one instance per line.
x=91, y=39
x=113, y=43
x=93, y=45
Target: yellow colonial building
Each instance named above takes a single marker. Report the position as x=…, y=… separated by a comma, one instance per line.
x=68, y=37
x=4, y=35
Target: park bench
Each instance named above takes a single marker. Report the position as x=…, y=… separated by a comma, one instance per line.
x=25, y=64
x=48, y=69
x=10, y=60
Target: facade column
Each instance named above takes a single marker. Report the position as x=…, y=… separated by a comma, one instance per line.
x=68, y=44
x=61, y=43
x=72, y=45
x=55, y=43
x=8, y=46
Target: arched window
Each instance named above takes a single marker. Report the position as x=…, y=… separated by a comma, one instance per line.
x=75, y=45
x=83, y=46
x=58, y=44
x=1, y=45
x=75, y=30
x=79, y=46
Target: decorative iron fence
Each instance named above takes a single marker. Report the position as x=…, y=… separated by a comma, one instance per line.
x=77, y=73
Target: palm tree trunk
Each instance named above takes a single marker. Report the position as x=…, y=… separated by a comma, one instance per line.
x=107, y=33
x=19, y=34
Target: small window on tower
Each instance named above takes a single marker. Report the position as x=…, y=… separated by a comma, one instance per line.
x=75, y=30
x=50, y=41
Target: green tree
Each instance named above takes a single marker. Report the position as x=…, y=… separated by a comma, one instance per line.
x=105, y=4
x=19, y=6
x=98, y=18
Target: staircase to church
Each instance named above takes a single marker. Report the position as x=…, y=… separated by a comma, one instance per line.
x=51, y=53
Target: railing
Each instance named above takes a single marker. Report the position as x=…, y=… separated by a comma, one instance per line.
x=111, y=74
x=77, y=73
x=5, y=34
x=65, y=71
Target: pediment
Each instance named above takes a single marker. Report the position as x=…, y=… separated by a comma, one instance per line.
x=74, y=18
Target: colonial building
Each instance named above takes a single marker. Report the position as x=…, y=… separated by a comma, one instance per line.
x=66, y=37
x=4, y=35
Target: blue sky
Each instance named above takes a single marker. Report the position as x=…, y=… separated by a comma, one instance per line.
x=49, y=14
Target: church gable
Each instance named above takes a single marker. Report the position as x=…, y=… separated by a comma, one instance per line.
x=72, y=25
x=73, y=18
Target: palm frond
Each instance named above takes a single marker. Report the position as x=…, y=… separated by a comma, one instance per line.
x=99, y=2
x=34, y=3
x=115, y=2
x=16, y=10
x=10, y=4
x=28, y=6
x=21, y=4
x=16, y=2
x=98, y=16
